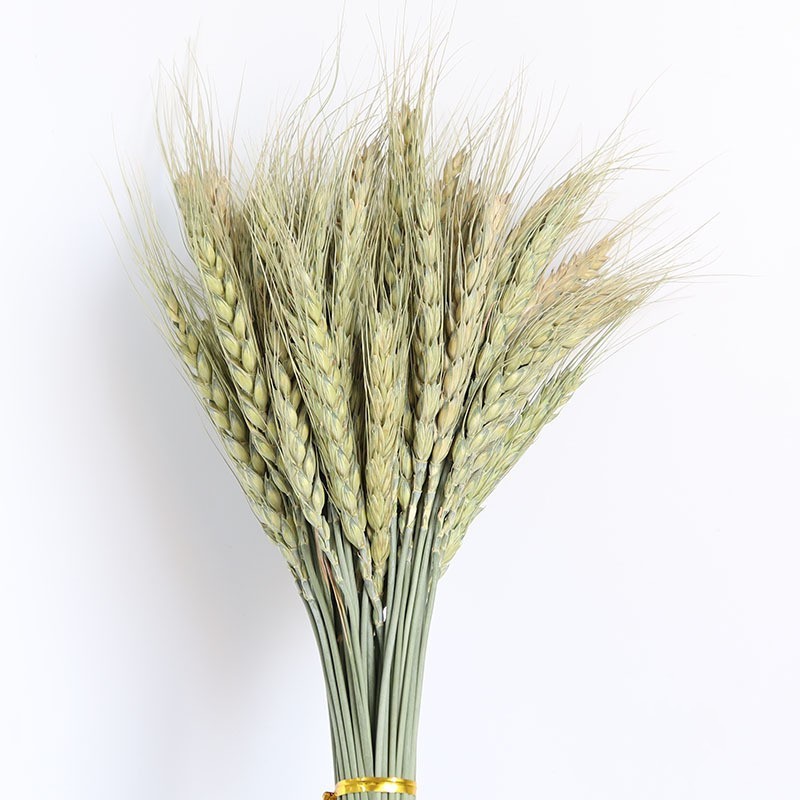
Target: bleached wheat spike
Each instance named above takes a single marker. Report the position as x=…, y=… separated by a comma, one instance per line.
x=203, y=203
x=385, y=398
x=528, y=250
x=552, y=331
x=197, y=355
x=419, y=214
x=350, y=259
x=465, y=322
x=305, y=326
x=298, y=458
x=554, y=393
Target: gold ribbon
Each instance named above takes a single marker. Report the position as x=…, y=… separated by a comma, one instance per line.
x=359, y=785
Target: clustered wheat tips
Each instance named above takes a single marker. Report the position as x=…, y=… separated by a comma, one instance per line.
x=379, y=322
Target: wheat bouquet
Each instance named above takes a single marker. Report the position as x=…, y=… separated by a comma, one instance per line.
x=379, y=320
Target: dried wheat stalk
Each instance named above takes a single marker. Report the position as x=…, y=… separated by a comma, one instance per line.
x=378, y=329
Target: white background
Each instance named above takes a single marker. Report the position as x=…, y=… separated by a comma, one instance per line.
x=622, y=621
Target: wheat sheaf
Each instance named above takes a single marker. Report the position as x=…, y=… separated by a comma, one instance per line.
x=379, y=319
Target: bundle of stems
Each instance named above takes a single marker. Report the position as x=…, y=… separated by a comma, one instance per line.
x=379, y=322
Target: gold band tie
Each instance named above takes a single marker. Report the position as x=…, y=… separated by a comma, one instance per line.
x=359, y=785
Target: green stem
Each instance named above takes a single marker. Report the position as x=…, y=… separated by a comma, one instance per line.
x=333, y=712
x=426, y=627
x=384, y=665
x=333, y=664
x=400, y=617
x=354, y=644
x=416, y=613
x=386, y=732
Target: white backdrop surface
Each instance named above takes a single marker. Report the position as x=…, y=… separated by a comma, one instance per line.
x=636, y=635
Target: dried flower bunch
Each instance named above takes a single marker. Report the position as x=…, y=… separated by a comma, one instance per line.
x=379, y=323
